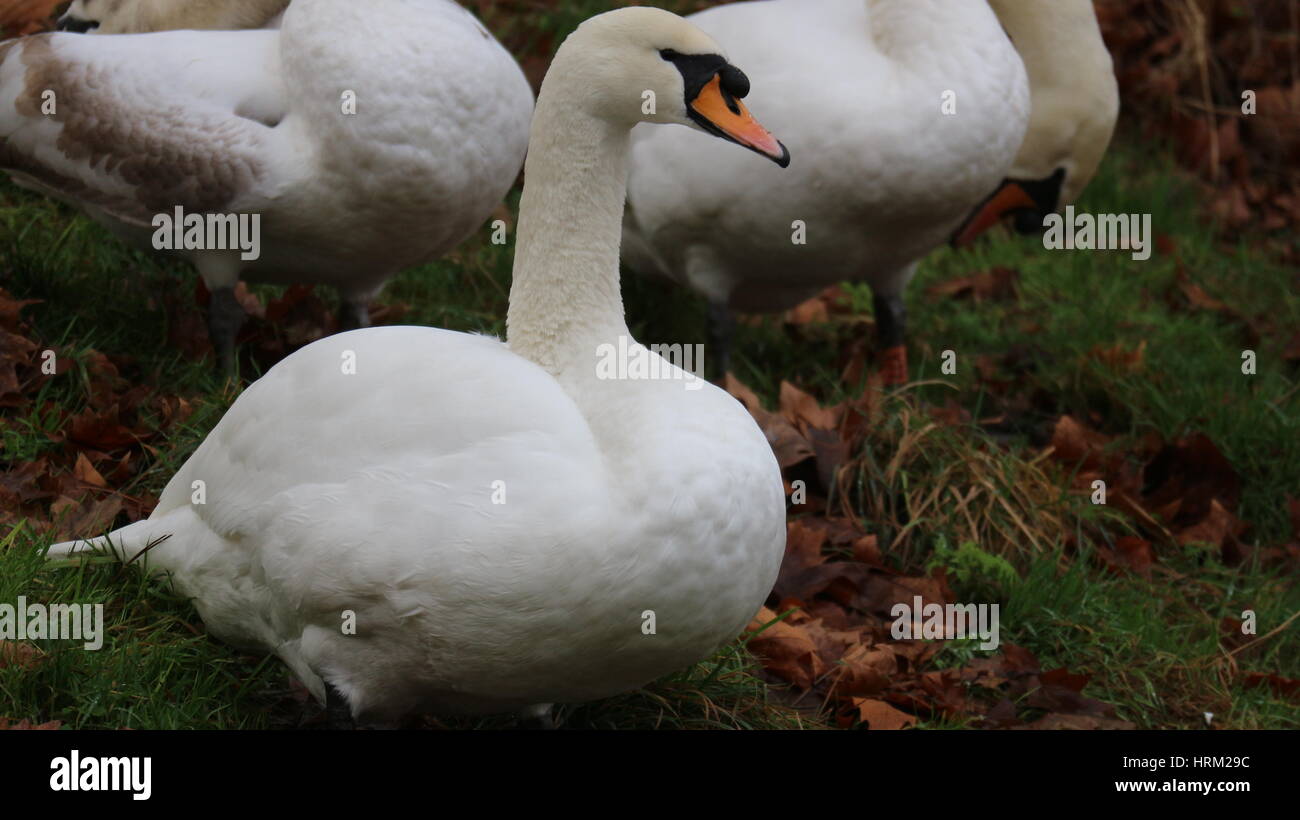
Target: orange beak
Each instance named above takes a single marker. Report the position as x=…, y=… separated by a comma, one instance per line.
x=726, y=116
x=1010, y=197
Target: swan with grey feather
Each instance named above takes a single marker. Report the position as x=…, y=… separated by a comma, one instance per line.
x=366, y=138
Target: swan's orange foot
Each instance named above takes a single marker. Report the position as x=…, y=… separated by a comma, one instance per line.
x=893, y=366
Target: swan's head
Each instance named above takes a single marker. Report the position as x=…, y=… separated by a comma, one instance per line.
x=89, y=15
x=1059, y=157
x=1074, y=105
x=644, y=64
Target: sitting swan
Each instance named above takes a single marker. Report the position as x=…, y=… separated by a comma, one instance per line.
x=367, y=138
x=905, y=114
x=498, y=518
x=139, y=16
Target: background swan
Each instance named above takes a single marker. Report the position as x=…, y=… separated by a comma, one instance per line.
x=621, y=497
x=905, y=115
x=254, y=122
x=139, y=16
x=1073, y=111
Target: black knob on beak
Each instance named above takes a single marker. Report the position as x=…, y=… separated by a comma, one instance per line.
x=76, y=25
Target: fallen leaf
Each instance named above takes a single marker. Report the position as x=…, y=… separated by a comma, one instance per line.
x=881, y=716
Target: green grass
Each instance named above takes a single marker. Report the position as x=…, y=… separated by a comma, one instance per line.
x=1150, y=646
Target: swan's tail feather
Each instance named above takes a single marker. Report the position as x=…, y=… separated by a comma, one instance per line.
x=126, y=545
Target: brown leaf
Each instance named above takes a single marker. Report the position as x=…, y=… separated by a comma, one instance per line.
x=1119, y=358
x=1193, y=471
x=881, y=716
x=1285, y=687
x=803, y=411
x=998, y=284
x=1083, y=722
x=865, y=670
x=786, y=650
x=26, y=725
x=101, y=429
x=86, y=518
x=1076, y=443
x=86, y=473
x=1131, y=553
x=20, y=654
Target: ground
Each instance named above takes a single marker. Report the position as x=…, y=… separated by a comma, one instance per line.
x=1071, y=367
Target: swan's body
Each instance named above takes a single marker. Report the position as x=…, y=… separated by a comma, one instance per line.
x=930, y=105
x=141, y=16
x=254, y=122
x=498, y=518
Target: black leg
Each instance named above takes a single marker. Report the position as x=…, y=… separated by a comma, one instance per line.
x=338, y=714
x=891, y=320
x=721, y=325
x=353, y=315
x=225, y=317
x=891, y=327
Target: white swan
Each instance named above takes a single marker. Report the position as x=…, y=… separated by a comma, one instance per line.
x=1073, y=111
x=140, y=16
x=367, y=138
x=499, y=518
x=904, y=115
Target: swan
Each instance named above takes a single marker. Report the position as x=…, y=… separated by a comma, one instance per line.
x=905, y=114
x=139, y=16
x=357, y=141
x=1073, y=111
x=498, y=520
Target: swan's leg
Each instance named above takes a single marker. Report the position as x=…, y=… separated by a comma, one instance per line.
x=721, y=326
x=225, y=317
x=891, y=325
x=707, y=276
x=354, y=313
x=338, y=714
x=537, y=716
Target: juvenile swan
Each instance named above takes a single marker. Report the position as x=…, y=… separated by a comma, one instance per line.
x=499, y=520
x=360, y=140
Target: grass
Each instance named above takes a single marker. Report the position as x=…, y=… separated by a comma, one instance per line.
x=1150, y=646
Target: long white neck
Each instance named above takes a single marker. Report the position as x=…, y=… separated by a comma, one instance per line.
x=1057, y=39
x=565, y=299
x=1074, y=96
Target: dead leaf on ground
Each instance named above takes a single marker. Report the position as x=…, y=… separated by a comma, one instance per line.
x=878, y=715
x=998, y=283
